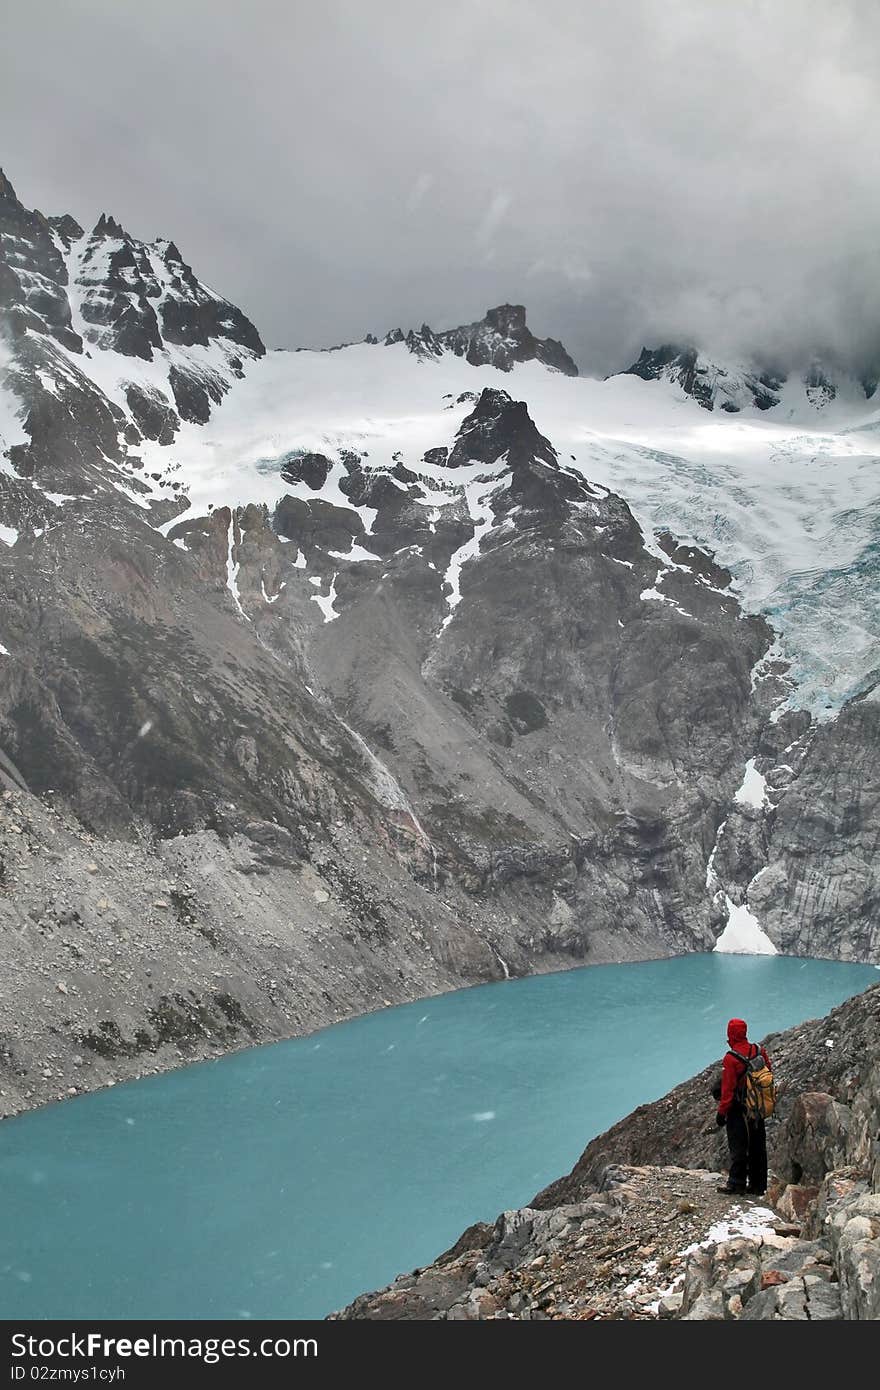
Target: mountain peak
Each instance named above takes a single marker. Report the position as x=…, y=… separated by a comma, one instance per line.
x=673, y=362
x=498, y=425
x=507, y=318
x=133, y=299
x=502, y=338
x=107, y=227
x=499, y=339
x=67, y=228
x=168, y=250
x=7, y=192
x=729, y=387
x=33, y=277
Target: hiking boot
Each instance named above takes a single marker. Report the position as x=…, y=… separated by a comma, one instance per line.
x=731, y=1191
x=756, y=1191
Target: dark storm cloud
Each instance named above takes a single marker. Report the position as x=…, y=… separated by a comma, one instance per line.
x=631, y=171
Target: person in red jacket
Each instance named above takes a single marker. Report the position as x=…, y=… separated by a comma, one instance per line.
x=746, y=1139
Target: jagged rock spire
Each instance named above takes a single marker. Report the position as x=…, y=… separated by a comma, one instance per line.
x=500, y=339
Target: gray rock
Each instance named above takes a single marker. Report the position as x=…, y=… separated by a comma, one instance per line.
x=708, y=1307
x=823, y=1300
x=670, y=1305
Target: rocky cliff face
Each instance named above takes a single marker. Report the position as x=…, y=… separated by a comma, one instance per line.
x=800, y=853
x=627, y=1235
x=431, y=671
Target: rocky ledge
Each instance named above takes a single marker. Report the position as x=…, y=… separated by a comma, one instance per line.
x=652, y=1243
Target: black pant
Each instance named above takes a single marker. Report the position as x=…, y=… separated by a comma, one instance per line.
x=747, y=1142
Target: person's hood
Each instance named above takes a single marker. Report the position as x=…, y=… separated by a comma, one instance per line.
x=737, y=1032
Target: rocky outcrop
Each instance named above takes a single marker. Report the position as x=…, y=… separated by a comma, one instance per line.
x=191, y=315
x=501, y=339
x=621, y=1238
x=819, y=386
x=115, y=284
x=621, y=1253
x=652, y=1243
x=797, y=849
x=853, y=1222
x=818, y=887
x=794, y=1281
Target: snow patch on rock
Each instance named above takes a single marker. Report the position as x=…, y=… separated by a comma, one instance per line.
x=743, y=935
x=753, y=790
x=326, y=601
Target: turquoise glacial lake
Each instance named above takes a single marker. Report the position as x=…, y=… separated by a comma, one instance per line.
x=282, y=1181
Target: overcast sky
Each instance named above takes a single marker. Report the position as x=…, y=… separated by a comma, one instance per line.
x=632, y=171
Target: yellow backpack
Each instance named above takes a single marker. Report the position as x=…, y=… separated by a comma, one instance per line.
x=756, y=1091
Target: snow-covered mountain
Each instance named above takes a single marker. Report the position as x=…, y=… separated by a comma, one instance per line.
x=483, y=658
x=104, y=295
x=785, y=498
x=737, y=385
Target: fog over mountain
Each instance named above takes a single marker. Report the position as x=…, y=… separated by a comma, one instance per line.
x=633, y=173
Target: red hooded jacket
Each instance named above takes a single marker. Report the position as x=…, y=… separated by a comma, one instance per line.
x=731, y=1068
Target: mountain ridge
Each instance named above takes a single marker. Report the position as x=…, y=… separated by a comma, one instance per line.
x=737, y=385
